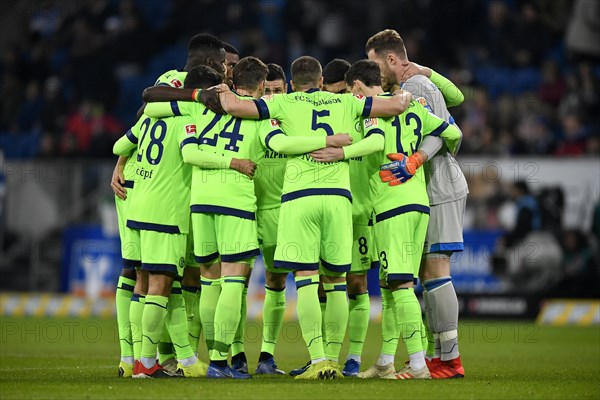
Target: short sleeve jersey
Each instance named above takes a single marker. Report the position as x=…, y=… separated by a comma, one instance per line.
x=403, y=134
x=361, y=170
x=162, y=180
x=227, y=191
x=173, y=78
x=269, y=177
x=315, y=113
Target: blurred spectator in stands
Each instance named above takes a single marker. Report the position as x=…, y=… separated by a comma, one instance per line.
x=553, y=86
x=28, y=119
x=578, y=265
x=91, y=130
x=584, y=30
x=575, y=134
x=533, y=136
x=497, y=49
x=46, y=19
x=529, y=37
x=52, y=118
x=528, y=217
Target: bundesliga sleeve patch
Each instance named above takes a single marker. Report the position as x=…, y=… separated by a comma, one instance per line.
x=190, y=130
x=422, y=101
x=359, y=96
x=176, y=83
x=370, y=122
x=274, y=123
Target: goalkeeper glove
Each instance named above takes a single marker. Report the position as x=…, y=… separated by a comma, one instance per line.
x=401, y=169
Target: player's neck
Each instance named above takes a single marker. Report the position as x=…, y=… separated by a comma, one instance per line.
x=246, y=92
x=372, y=91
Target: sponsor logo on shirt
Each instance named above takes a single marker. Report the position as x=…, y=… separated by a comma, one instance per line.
x=369, y=122
x=190, y=130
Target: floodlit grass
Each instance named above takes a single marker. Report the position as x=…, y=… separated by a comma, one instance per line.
x=78, y=358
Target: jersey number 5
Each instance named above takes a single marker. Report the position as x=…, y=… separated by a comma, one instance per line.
x=321, y=125
x=152, y=156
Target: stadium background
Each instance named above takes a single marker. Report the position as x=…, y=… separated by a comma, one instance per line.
x=72, y=73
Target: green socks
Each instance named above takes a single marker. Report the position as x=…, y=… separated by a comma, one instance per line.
x=209, y=296
x=273, y=312
x=153, y=321
x=166, y=351
x=177, y=323
x=191, y=297
x=136, y=310
x=408, y=314
x=237, y=346
x=309, y=315
x=323, y=305
x=389, y=324
x=336, y=319
x=227, y=315
x=123, y=300
x=358, y=323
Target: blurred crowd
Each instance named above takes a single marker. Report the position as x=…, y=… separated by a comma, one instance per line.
x=72, y=72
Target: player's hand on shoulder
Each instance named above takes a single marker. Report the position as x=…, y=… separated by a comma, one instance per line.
x=328, y=154
x=210, y=98
x=339, y=140
x=244, y=166
x=411, y=69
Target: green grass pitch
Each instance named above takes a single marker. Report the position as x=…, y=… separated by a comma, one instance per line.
x=77, y=359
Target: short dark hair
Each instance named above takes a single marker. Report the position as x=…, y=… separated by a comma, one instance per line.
x=206, y=42
x=202, y=77
x=249, y=72
x=386, y=41
x=335, y=71
x=229, y=48
x=275, y=73
x=306, y=70
x=365, y=71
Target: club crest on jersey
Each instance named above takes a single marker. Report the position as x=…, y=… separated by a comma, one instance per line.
x=190, y=130
x=274, y=123
x=369, y=122
x=422, y=101
x=176, y=83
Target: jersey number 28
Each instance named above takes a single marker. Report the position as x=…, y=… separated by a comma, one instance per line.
x=154, y=149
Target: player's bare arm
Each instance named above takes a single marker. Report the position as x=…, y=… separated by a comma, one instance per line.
x=390, y=106
x=118, y=180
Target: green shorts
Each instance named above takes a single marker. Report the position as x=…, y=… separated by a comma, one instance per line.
x=189, y=249
x=130, y=238
x=267, y=221
x=364, y=251
x=162, y=252
x=232, y=238
x=400, y=240
x=315, y=233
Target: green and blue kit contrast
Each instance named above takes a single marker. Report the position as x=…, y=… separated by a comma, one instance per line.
x=402, y=212
x=158, y=209
x=315, y=225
